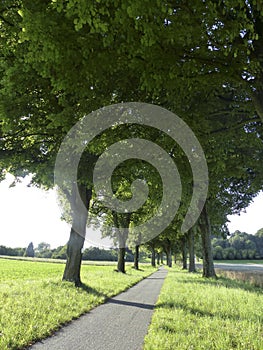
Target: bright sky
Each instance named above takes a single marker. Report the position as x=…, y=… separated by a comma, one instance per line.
x=30, y=214
x=249, y=221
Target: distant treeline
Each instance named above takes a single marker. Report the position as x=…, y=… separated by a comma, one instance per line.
x=43, y=251
x=240, y=245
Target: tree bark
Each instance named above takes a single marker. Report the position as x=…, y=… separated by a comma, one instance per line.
x=153, y=257
x=74, y=256
x=191, y=246
x=162, y=258
x=184, y=253
x=208, y=263
x=168, y=252
x=122, y=222
x=158, y=258
x=121, y=260
x=77, y=234
x=136, y=257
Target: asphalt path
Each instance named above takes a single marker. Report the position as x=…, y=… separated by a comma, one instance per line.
x=121, y=323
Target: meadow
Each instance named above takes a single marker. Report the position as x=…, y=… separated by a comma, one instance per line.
x=34, y=302
x=193, y=313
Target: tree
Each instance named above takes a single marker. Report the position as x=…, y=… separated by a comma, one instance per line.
x=60, y=252
x=191, y=238
x=43, y=250
x=30, y=251
x=259, y=233
x=46, y=86
x=218, y=253
x=43, y=246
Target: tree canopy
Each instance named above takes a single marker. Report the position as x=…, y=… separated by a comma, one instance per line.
x=62, y=59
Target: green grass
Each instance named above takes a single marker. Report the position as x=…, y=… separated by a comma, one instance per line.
x=63, y=261
x=34, y=302
x=196, y=313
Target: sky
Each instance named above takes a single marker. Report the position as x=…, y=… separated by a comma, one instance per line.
x=29, y=214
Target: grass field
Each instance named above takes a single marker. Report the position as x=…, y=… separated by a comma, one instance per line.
x=58, y=261
x=34, y=302
x=253, y=277
x=194, y=313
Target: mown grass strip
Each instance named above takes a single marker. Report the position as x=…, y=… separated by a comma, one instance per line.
x=34, y=302
x=196, y=313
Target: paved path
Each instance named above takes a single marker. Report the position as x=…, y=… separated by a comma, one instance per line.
x=119, y=324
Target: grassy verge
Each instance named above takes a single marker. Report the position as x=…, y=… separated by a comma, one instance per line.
x=253, y=277
x=34, y=302
x=196, y=313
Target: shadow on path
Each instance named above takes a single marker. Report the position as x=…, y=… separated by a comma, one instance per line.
x=91, y=290
x=130, y=303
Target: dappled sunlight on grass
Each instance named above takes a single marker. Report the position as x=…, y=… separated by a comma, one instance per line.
x=34, y=301
x=196, y=313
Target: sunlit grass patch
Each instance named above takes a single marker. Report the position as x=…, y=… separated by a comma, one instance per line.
x=196, y=313
x=34, y=302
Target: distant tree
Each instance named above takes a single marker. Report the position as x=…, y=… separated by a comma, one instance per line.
x=30, y=251
x=251, y=253
x=221, y=242
x=43, y=250
x=12, y=251
x=231, y=253
x=60, y=252
x=237, y=240
x=19, y=251
x=241, y=245
x=259, y=233
x=43, y=246
x=244, y=253
x=218, y=253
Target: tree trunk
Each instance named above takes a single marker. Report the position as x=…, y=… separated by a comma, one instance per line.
x=208, y=263
x=184, y=253
x=191, y=246
x=77, y=234
x=153, y=257
x=158, y=258
x=74, y=256
x=162, y=258
x=121, y=260
x=168, y=252
x=136, y=257
x=123, y=223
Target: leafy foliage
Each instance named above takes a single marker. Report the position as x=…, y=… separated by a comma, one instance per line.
x=240, y=245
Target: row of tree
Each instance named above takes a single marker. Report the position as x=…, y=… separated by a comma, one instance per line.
x=240, y=245
x=43, y=250
x=61, y=60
